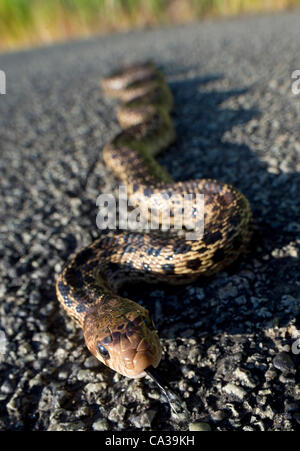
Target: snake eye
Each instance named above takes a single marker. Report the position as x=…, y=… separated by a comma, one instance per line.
x=103, y=351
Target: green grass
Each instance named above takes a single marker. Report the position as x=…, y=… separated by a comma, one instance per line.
x=27, y=22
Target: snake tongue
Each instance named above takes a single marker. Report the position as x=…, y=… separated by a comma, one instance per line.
x=175, y=402
x=152, y=372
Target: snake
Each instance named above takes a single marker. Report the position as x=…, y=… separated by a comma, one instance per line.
x=118, y=331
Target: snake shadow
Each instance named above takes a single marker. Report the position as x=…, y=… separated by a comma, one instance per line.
x=260, y=289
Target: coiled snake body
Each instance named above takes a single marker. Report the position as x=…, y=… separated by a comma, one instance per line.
x=118, y=331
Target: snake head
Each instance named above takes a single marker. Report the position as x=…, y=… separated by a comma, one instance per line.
x=126, y=342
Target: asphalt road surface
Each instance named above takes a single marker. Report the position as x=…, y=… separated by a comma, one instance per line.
x=230, y=342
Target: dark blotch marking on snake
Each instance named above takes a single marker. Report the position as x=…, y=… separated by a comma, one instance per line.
x=74, y=277
x=193, y=264
x=113, y=267
x=152, y=251
x=181, y=248
x=218, y=256
x=84, y=256
x=212, y=237
x=235, y=220
x=129, y=249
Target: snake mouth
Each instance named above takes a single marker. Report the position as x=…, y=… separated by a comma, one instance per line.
x=145, y=359
x=134, y=362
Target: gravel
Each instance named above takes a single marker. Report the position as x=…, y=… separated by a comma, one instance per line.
x=227, y=340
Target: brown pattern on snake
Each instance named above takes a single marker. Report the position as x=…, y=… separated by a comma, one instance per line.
x=118, y=331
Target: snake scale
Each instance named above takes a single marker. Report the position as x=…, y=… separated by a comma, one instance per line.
x=118, y=331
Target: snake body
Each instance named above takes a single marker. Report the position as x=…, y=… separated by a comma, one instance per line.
x=118, y=331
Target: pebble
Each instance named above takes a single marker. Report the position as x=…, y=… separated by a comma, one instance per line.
x=91, y=362
x=117, y=413
x=143, y=420
x=3, y=343
x=85, y=375
x=7, y=388
x=283, y=362
x=100, y=425
x=72, y=426
x=217, y=415
x=235, y=391
x=199, y=426
x=228, y=291
x=244, y=378
x=95, y=391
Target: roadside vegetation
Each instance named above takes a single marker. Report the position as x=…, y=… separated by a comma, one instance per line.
x=34, y=22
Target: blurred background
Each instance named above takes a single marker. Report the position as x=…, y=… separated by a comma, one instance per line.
x=25, y=23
